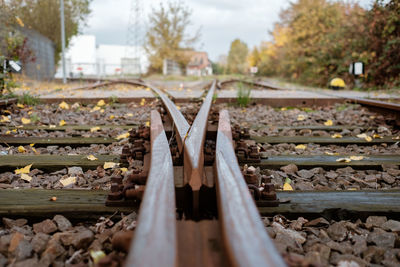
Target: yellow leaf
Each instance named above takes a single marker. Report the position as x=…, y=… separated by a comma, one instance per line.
x=91, y=157
x=284, y=108
x=19, y=21
x=143, y=102
x=362, y=136
x=96, y=108
x=356, y=157
x=52, y=126
x=30, y=112
x=26, y=177
x=122, y=136
x=109, y=165
x=94, y=129
x=352, y=189
x=328, y=123
x=25, y=121
x=129, y=114
x=368, y=138
x=62, y=123
x=31, y=145
x=343, y=160
x=5, y=118
x=111, y=117
x=68, y=181
x=34, y=150
x=336, y=135
x=14, y=130
x=63, y=105
x=8, y=132
x=331, y=153
x=21, y=149
x=147, y=89
x=301, y=117
x=147, y=123
x=301, y=147
x=287, y=187
x=97, y=255
x=178, y=107
x=123, y=170
x=101, y=103
x=25, y=169
x=372, y=117
x=20, y=105
x=7, y=111
x=396, y=138
x=377, y=136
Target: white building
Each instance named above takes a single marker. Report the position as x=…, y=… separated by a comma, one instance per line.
x=85, y=58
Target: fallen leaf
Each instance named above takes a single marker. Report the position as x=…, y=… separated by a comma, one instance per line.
x=25, y=169
x=31, y=145
x=68, y=181
x=343, y=160
x=97, y=255
x=62, y=123
x=34, y=150
x=109, y=165
x=53, y=199
x=336, y=135
x=301, y=117
x=143, y=102
x=122, y=136
x=21, y=149
x=396, y=138
x=352, y=189
x=14, y=130
x=25, y=121
x=287, y=187
x=372, y=117
x=101, y=110
x=331, y=153
x=26, y=177
x=20, y=105
x=8, y=132
x=101, y=103
x=7, y=111
x=362, y=135
x=94, y=129
x=356, y=157
x=178, y=107
x=123, y=170
x=129, y=114
x=147, y=123
x=5, y=118
x=368, y=138
x=96, y=108
x=377, y=136
x=301, y=147
x=52, y=126
x=111, y=117
x=91, y=157
x=63, y=105
x=284, y=108
x=328, y=123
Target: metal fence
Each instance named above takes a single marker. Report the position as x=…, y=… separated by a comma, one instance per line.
x=43, y=67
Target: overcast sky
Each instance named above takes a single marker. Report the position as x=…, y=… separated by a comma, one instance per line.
x=221, y=21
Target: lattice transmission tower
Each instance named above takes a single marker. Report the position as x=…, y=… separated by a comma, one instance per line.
x=131, y=63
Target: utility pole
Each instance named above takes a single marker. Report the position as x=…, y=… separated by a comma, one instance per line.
x=63, y=41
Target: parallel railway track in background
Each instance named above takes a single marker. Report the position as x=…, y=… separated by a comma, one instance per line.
x=197, y=205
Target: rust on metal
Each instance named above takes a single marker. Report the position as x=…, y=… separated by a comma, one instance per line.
x=245, y=240
x=155, y=238
x=194, y=143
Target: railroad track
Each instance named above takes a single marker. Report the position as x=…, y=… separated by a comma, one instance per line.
x=188, y=196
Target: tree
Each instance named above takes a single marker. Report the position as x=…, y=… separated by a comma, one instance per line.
x=237, y=57
x=167, y=36
x=44, y=17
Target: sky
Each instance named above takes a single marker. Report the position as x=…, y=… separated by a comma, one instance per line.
x=221, y=21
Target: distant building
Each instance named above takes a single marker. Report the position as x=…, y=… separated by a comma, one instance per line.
x=86, y=58
x=199, y=64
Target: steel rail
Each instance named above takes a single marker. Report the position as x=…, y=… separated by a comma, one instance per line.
x=193, y=161
x=251, y=83
x=155, y=239
x=9, y=101
x=245, y=238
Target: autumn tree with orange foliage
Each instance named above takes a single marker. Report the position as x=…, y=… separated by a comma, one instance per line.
x=316, y=40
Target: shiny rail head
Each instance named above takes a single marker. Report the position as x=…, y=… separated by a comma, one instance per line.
x=155, y=239
x=194, y=144
x=246, y=240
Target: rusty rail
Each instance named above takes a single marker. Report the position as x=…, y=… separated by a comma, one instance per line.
x=155, y=235
x=243, y=233
x=251, y=83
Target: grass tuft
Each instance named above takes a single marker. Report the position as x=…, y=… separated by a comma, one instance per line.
x=243, y=95
x=28, y=99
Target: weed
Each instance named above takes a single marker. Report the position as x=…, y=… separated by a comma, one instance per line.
x=28, y=99
x=243, y=95
x=113, y=100
x=34, y=118
x=214, y=98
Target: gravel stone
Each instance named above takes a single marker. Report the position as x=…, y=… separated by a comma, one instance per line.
x=10, y=223
x=290, y=169
x=46, y=226
x=75, y=171
x=79, y=237
x=63, y=223
x=381, y=238
x=39, y=242
x=375, y=221
x=391, y=225
x=337, y=231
